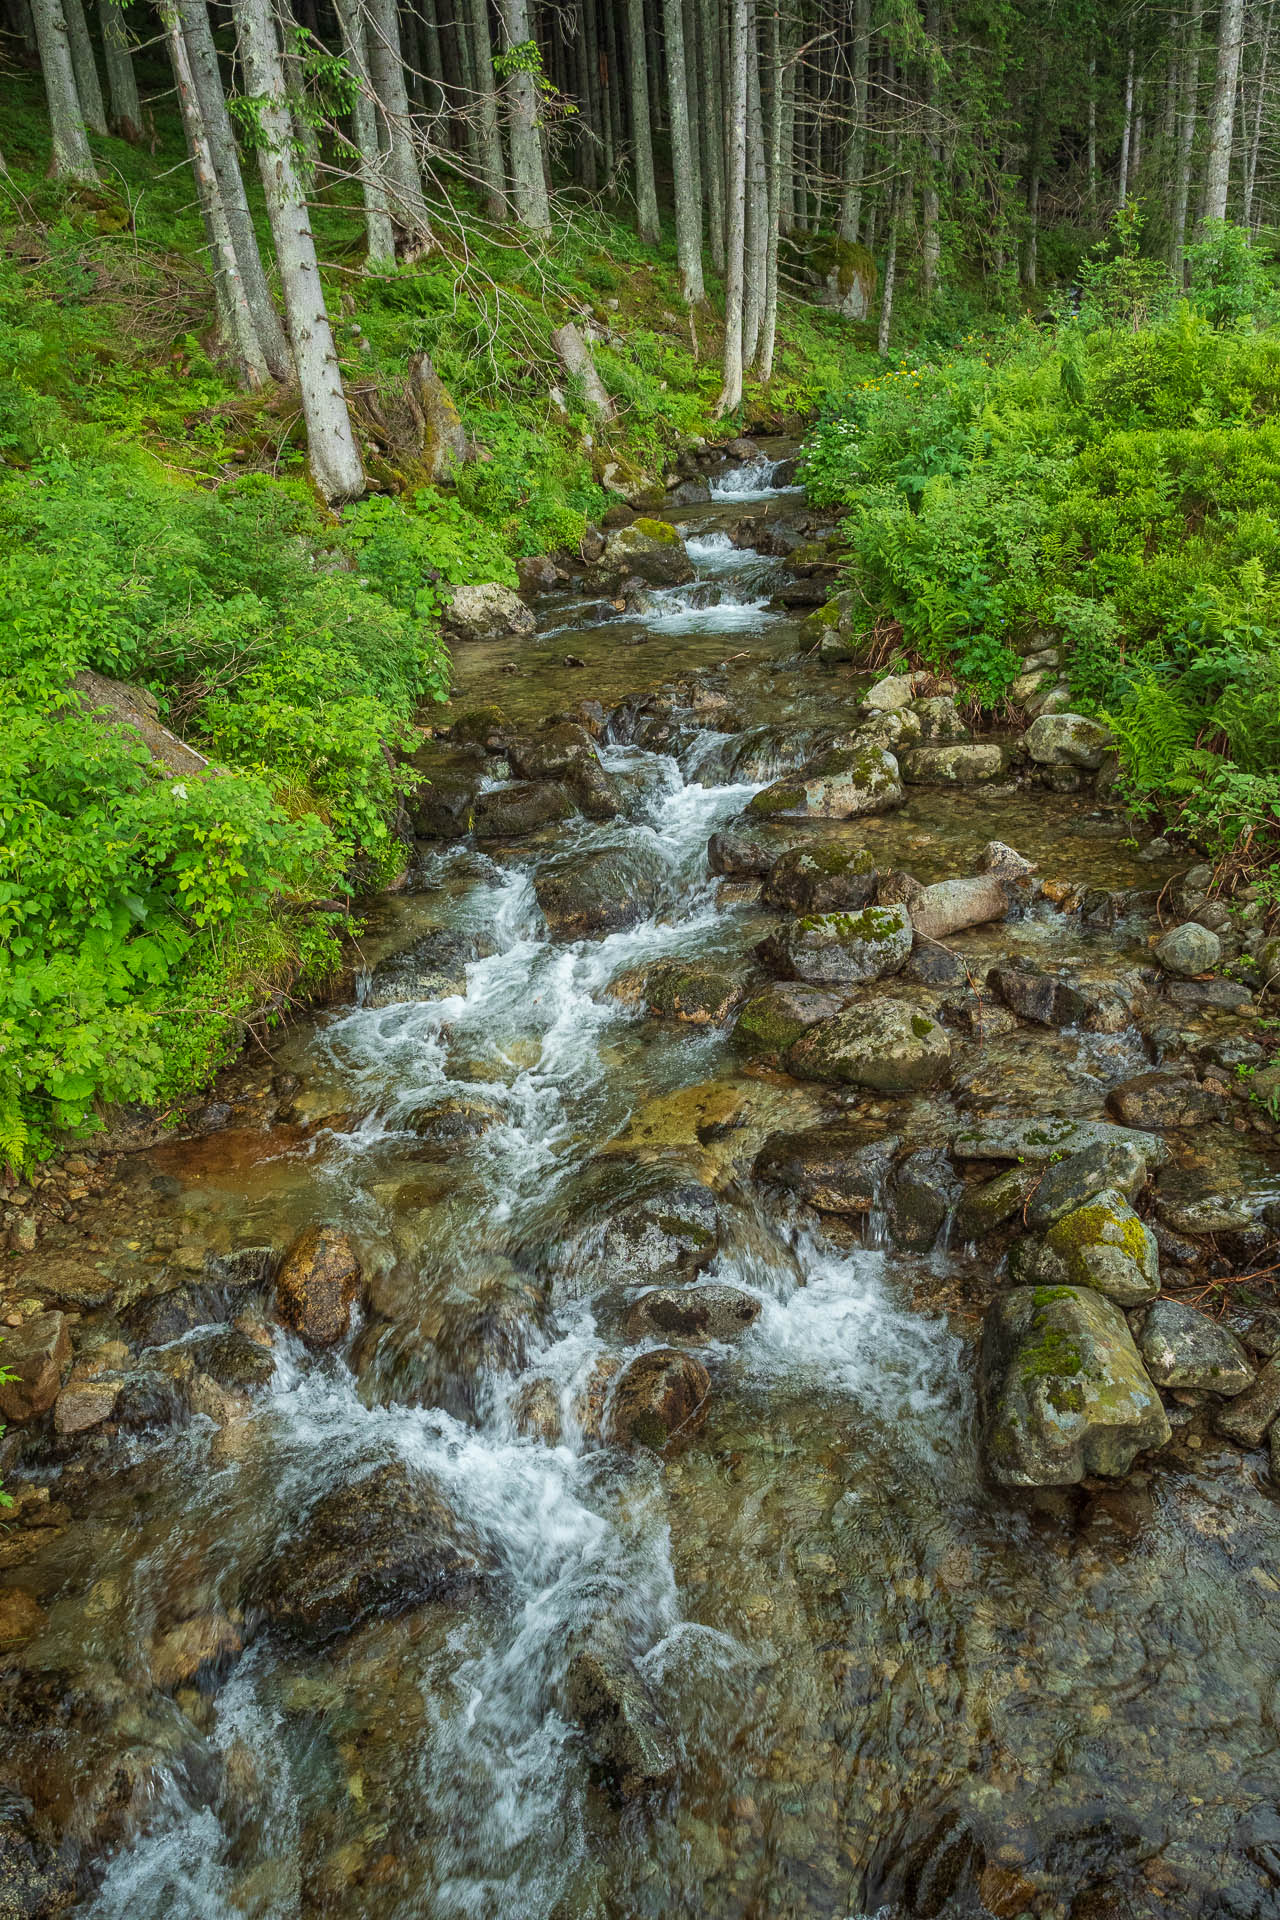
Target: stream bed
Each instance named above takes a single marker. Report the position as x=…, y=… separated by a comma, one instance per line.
x=837, y=1671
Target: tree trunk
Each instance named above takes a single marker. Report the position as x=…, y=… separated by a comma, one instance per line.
x=122, y=85
x=899, y=200
x=930, y=239
x=88, y=85
x=1126, y=136
x=1222, y=113
x=646, y=192
x=756, y=240
x=611, y=68
x=1093, y=132
x=433, y=60
x=239, y=334
x=401, y=178
x=1186, y=140
x=855, y=145
x=688, y=207
x=207, y=79
x=786, y=186
x=735, y=209
x=777, y=89
x=1255, y=138
x=331, y=446
x=696, y=106
x=380, y=253
x=529, y=190
x=71, y=159
x=712, y=124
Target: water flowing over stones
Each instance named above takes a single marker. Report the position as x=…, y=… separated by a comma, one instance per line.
x=600, y=1427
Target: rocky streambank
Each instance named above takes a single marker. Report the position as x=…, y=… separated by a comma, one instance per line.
x=762, y=1289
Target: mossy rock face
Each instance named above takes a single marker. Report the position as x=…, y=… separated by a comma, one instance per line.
x=1064, y=1392
x=700, y=992
x=847, y=273
x=648, y=550
x=1103, y=1245
x=844, y=784
x=841, y=1169
x=983, y=1210
x=956, y=766
x=888, y=1046
x=776, y=1017
x=840, y=949
x=821, y=878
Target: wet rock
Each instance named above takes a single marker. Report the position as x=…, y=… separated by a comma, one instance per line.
x=840, y=949
x=956, y=766
x=1035, y=994
x=600, y=892
x=476, y=1325
x=889, y=695
x=234, y=1360
x=449, y=1123
x=1163, y=1100
x=435, y=968
x=933, y=966
x=487, y=612
x=659, y=1400
x=1068, y=740
x=1063, y=1390
x=977, y=1014
x=195, y=1651
x=689, y=493
x=440, y=807
x=85, y=1404
x=1039, y=1139
x=893, y=731
x=538, y=574
x=951, y=905
x=525, y=806
x=821, y=878
x=940, y=721
x=36, y=1879
x=700, y=992
x=892, y=1047
x=1103, y=1245
x=36, y=1354
x=898, y=889
x=535, y=1411
x=624, y=1732
x=633, y=1223
x=21, y=1619
x=838, y=1169
x=709, y=1311
x=922, y=1192
x=750, y=852
x=317, y=1285
x=982, y=1210
x=1188, y=950
x=845, y=784
x=1247, y=1418
x=1183, y=1348
x=1118, y=1165
x=566, y=752
x=166, y=1317
x=1199, y=1200
x=774, y=1019
x=648, y=550
x=387, y=1543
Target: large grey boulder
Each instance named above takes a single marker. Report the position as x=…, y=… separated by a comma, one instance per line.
x=821, y=877
x=595, y=892
x=1183, y=1348
x=1068, y=740
x=844, y=784
x=1069, y=1183
x=1188, y=950
x=1064, y=1392
x=840, y=949
x=888, y=1044
x=1038, y=1139
x=487, y=612
x=1103, y=1245
x=891, y=694
x=955, y=766
x=648, y=550
x=1246, y=1418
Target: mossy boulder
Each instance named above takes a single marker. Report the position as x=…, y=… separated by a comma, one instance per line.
x=703, y=993
x=1103, y=1245
x=1063, y=1389
x=846, y=273
x=659, y=1400
x=1070, y=1182
x=774, y=1019
x=1188, y=1350
x=953, y=766
x=821, y=877
x=596, y=892
x=710, y=1311
x=888, y=1045
x=648, y=550
x=841, y=785
x=1068, y=740
x=489, y=611
x=984, y=1209
x=840, y=949
x=1036, y=1140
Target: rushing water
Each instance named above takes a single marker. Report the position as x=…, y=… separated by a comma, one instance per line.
x=888, y=1690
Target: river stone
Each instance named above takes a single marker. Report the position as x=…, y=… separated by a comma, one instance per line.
x=1048, y=1137
x=1246, y=1419
x=922, y=1192
x=983, y=1209
x=659, y=1400
x=1070, y=1182
x=702, y=993
x=890, y=694
x=951, y=905
x=844, y=784
x=317, y=1285
x=1063, y=1390
x=557, y=752
x=1068, y=740
x=624, y=1731
x=382, y=1545
x=487, y=612
x=1006, y=861
x=890, y=730
x=448, y=1122
x=840, y=949
x=940, y=721
x=710, y=1311
x=648, y=550
x=1103, y=1245
x=932, y=965
x=888, y=1045
x=524, y=806
x=1188, y=950
x=1163, y=1100
x=191, y=1653
x=821, y=878
x=441, y=806
x=234, y=1360
x=774, y=1019
x=1035, y=994
x=21, y=1619
x=37, y=1354
x=472, y=1326
x=85, y=1404
x=36, y=1880
x=839, y=1169
x=956, y=766
x=434, y=968
x=1183, y=1348
x=748, y=852
x=598, y=892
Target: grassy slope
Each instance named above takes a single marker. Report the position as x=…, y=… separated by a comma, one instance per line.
x=157, y=526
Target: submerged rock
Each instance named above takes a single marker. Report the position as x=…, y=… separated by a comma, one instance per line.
x=840, y=1169
x=471, y=1326
x=1103, y=1245
x=887, y=1045
x=600, y=892
x=1183, y=1348
x=1064, y=1392
x=844, y=784
x=841, y=949
x=1188, y=950
x=709, y=1311
x=633, y=1224
x=36, y=1879
x=659, y=1400
x=624, y=1731
x=383, y=1545
x=1039, y=1139
x=317, y=1285
x=922, y=1192
x=434, y=968
x=821, y=878
x=1033, y=993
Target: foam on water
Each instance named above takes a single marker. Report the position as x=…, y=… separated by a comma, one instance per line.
x=752, y=481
